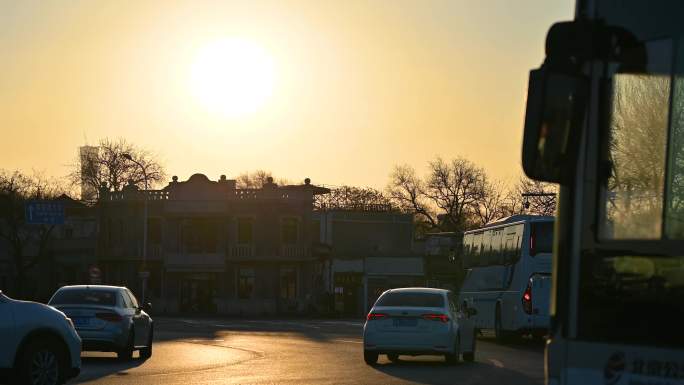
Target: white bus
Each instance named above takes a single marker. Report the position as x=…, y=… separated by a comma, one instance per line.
x=508, y=275
x=605, y=120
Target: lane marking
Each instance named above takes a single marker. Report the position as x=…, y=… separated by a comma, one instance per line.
x=496, y=363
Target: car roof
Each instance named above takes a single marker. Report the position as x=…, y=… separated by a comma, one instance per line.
x=419, y=290
x=92, y=287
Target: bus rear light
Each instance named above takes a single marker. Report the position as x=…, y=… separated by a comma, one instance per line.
x=375, y=316
x=527, y=299
x=436, y=317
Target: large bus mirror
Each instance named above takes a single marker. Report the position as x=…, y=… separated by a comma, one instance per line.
x=555, y=111
x=557, y=94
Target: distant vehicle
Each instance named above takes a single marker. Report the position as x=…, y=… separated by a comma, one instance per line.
x=508, y=278
x=39, y=344
x=418, y=321
x=108, y=319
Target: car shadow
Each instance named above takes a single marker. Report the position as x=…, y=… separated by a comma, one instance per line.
x=434, y=371
x=94, y=367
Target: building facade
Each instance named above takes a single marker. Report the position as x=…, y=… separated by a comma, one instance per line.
x=212, y=247
x=66, y=257
x=370, y=250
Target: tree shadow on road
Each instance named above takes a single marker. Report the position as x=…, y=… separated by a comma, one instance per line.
x=437, y=372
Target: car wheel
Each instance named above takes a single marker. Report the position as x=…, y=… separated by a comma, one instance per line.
x=126, y=353
x=393, y=357
x=42, y=363
x=146, y=352
x=370, y=357
x=453, y=358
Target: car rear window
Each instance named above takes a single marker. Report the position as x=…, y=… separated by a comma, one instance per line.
x=404, y=299
x=84, y=297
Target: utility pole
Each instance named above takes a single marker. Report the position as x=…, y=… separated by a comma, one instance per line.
x=143, y=273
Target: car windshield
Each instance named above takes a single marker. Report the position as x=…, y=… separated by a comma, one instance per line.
x=411, y=299
x=84, y=297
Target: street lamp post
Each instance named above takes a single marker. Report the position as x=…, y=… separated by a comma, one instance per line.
x=143, y=275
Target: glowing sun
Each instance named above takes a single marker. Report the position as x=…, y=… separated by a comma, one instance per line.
x=232, y=77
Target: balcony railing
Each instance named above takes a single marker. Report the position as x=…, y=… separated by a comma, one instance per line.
x=293, y=251
x=242, y=251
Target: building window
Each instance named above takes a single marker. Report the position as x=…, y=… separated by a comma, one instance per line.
x=244, y=230
x=288, y=283
x=200, y=235
x=154, y=230
x=245, y=283
x=289, y=229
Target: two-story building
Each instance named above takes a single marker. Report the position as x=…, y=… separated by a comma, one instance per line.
x=371, y=250
x=213, y=247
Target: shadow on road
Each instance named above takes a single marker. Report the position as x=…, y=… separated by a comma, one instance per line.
x=317, y=330
x=434, y=372
x=524, y=343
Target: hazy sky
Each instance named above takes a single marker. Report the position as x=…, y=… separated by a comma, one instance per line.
x=358, y=86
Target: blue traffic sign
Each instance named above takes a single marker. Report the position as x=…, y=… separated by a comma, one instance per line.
x=44, y=213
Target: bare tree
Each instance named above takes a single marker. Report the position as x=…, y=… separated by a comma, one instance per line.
x=406, y=190
x=456, y=188
x=493, y=204
x=256, y=179
x=350, y=197
x=449, y=197
x=28, y=243
x=108, y=165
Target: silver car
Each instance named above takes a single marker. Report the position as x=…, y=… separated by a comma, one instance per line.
x=418, y=321
x=38, y=343
x=107, y=318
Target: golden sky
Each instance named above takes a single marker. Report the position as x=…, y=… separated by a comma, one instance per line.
x=358, y=86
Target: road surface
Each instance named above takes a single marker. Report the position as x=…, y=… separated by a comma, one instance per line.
x=264, y=352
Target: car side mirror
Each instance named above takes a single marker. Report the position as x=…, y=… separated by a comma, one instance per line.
x=556, y=104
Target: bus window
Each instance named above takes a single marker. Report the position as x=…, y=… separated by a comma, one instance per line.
x=495, y=256
x=674, y=208
x=636, y=148
x=541, y=237
x=477, y=247
x=511, y=245
x=486, y=248
x=467, y=250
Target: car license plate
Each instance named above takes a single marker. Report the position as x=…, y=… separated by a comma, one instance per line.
x=81, y=321
x=405, y=322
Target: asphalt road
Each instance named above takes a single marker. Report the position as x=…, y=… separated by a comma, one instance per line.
x=264, y=352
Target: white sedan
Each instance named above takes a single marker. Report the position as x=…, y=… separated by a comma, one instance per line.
x=38, y=344
x=418, y=321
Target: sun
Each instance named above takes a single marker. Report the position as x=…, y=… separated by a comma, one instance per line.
x=232, y=77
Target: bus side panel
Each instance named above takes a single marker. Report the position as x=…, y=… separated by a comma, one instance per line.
x=482, y=289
